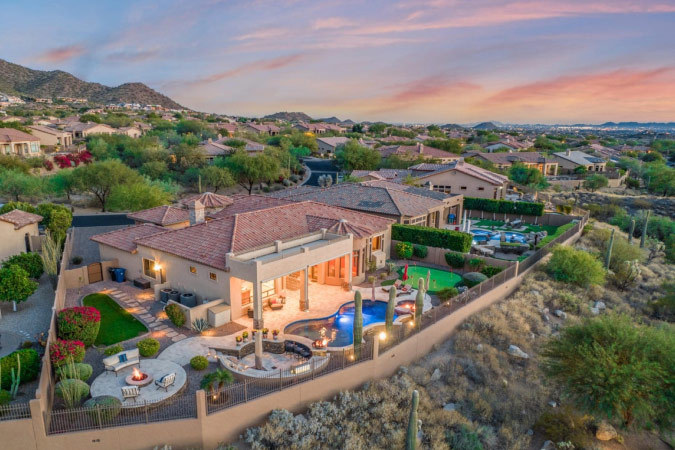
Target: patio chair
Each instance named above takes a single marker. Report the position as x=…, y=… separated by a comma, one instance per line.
x=397, y=285
x=406, y=289
x=130, y=392
x=276, y=303
x=166, y=381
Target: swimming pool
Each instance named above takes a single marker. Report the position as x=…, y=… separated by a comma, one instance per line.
x=339, y=326
x=482, y=236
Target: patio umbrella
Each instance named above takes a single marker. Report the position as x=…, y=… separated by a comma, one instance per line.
x=428, y=279
x=405, y=273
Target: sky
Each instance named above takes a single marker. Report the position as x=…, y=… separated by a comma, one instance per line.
x=406, y=61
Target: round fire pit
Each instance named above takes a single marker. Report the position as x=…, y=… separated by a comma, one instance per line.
x=138, y=378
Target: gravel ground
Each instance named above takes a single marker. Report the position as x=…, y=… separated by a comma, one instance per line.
x=32, y=316
x=86, y=248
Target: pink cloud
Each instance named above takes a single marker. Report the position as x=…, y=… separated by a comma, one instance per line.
x=61, y=54
x=332, y=23
x=263, y=65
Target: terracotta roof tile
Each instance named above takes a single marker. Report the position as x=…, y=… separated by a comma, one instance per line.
x=125, y=238
x=210, y=200
x=161, y=215
x=20, y=218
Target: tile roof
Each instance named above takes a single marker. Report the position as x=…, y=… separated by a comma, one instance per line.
x=579, y=158
x=244, y=203
x=20, y=218
x=48, y=130
x=417, y=150
x=161, y=215
x=210, y=200
x=14, y=135
x=510, y=158
x=471, y=170
x=125, y=238
x=333, y=141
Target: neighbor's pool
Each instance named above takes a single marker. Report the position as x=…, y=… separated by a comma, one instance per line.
x=339, y=326
x=482, y=236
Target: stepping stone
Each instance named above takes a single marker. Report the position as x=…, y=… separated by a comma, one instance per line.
x=141, y=310
x=162, y=327
x=171, y=334
x=180, y=337
x=146, y=316
x=155, y=326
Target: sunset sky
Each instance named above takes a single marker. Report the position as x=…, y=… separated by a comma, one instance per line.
x=436, y=61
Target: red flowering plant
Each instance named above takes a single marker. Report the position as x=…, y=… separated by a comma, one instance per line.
x=85, y=157
x=47, y=164
x=74, y=158
x=61, y=352
x=79, y=323
x=63, y=161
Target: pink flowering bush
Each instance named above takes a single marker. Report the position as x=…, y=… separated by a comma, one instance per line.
x=79, y=323
x=63, y=161
x=61, y=352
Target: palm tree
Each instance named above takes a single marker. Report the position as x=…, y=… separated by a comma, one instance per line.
x=215, y=381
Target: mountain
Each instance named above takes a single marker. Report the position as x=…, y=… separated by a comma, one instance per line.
x=485, y=126
x=19, y=80
x=452, y=126
x=289, y=116
x=331, y=120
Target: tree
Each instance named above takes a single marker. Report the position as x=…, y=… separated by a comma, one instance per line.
x=214, y=381
x=155, y=170
x=377, y=128
x=614, y=369
x=659, y=178
x=250, y=170
x=102, y=177
x=84, y=118
x=63, y=182
x=14, y=183
x=353, y=156
x=15, y=285
x=217, y=177
x=23, y=206
x=580, y=170
x=187, y=155
x=527, y=176
x=595, y=182
x=575, y=266
x=140, y=195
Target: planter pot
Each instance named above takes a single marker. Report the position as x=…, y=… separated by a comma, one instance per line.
x=276, y=337
x=245, y=339
x=264, y=336
x=238, y=344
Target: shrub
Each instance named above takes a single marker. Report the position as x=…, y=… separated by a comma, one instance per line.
x=106, y=407
x=575, y=266
x=455, y=260
x=432, y=237
x=61, y=352
x=404, y=250
x=503, y=206
x=491, y=271
x=30, y=262
x=79, y=371
x=148, y=347
x=569, y=302
x=471, y=279
x=79, y=323
x=446, y=294
x=476, y=264
x=30, y=367
x=565, y=425
x=72, y=391
x=420, y=251
x=463, y=439
x=175, y=314
x=48, y=165
x=113, y=349
x=76, y=260
x=5, y=397
x=199, y=362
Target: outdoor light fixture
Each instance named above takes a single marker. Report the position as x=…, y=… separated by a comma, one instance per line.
x=412, y=324
x=383, y=336
x=157, y=267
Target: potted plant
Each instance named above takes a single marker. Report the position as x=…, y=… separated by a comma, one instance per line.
x=264, y=332
x=253, y=333
x=244, y=335
x=238, y=339
x=275, y=334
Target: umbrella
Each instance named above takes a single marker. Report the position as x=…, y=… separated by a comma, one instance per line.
x=428, y=279
x=405, y=273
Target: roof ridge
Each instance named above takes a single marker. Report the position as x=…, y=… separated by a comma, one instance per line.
x=128, y=227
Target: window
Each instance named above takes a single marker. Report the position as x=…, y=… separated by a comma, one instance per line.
x=193, y=270
x=355, y=263
x=149, y=268
x=481, y=188
x=331, y=268
x=420, y=220
x=376, y=243
x=213, y=276
x=34, y=147
x=463, y=188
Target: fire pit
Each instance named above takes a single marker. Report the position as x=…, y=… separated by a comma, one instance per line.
x=320, y=343
x=138, y=378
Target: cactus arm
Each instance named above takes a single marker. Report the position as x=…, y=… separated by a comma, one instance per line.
x=608, y=256
x=631, y=231
x=643, y=238
x=419, y=301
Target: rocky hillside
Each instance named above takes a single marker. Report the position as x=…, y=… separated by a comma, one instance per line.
x=19, y=80
x=289, y=116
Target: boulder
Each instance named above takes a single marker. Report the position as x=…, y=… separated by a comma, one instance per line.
x=595, y=311
x=546, y=318
x=479, y=347
x=450, y=407
x=548, y=445
x=552, y=404
x=600, y=305
x=560, y=313
x=514, y=350
x=436, y=375
x=605, y=432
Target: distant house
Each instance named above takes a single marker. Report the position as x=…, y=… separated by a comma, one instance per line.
x=215, y=148
x=547, y=166
x=570, y=160
x=133, y=132
x=412, y=152
x=264, y=128
x=82, y=130
x=8, y=119
x=16, y=142
x=327, y=145
x=508, y=144
x=318, y=128
x=52, y=136
x=19, y=230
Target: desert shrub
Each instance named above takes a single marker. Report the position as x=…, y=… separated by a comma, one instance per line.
x=472, y=279
x=175, y=314
x=420, y=251
x=446, y=294
x=575, y=266
x=148, y=347
x=30, y=262
x=113, y=349
x=491, y=271
x=565, y=425
x=106, y=407
x=72, y=391
x=199, y=362
x=30, y=367
x=569, y=302
x=61, y=352
x=80, y=371
x=476, y=264
x=404, y=250
x=432, y=237
x=463, y=438
x=455, y=260
x=5, y=397
x=79, y=323
x=503, y=206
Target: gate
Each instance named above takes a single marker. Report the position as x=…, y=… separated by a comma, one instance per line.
x=95, y=272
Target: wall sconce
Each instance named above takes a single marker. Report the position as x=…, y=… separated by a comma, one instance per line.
x=157, y=267
x=383, y=336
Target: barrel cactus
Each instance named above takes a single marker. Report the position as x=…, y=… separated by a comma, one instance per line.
x=358, y=323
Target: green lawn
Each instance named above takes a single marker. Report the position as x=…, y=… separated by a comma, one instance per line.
x=439, y=279
x=117, y=325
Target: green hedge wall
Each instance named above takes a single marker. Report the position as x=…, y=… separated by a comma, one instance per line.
x=503, y=206
x=432, y=237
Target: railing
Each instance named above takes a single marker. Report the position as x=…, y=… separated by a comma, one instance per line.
x=99, y=417
x=15, y=411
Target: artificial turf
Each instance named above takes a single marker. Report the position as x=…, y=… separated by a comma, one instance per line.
x=117, y=325
x=438, y=279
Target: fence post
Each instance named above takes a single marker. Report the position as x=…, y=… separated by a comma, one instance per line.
x=200, y=402
x=343, y=359
x=98, y=415
x=245, y=390
x=145, y=407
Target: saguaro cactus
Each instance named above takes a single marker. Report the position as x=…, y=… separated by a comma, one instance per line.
x=631, y=231
x=391, y=306
x=643, y=238
x=419, y=301
x=358, y=323
x=608, y=256
x=411, y=434
x=16, y=378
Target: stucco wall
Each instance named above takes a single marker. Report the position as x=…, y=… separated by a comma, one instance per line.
x=13, y=241
x=457, y=179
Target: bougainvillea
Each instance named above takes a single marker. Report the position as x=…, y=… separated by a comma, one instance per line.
x=63, y=161
x=47, y=164
x=61, y=351
x=79, y=323
x=85, y=157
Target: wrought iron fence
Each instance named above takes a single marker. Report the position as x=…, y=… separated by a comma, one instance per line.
x=15, y=411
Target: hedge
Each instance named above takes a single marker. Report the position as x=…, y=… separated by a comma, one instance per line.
x=420, y=251
x=30, y=262
x=175, y=314
x=30, y=367
x=503, y=206
x=455, y=260
x=471, y=279
x=148, y=347
x=432, y=237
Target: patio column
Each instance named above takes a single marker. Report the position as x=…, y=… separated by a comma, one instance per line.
x=258, y=350
x=257, y=306
x=304, y=291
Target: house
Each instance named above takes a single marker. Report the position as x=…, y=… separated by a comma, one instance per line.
x=547, y=166
x=9, y=119
x=133, y=132
x=215, y=148
x=318, y=128
x=244, y=258
x=327, y=145
x=570, y=160
x=82, y=130
x=19, y=143
x=460, y=177
x=164, y=216
x=264, y=128
x=508, y=144
x=51, y=136
x=19, y=231
x=412, y=152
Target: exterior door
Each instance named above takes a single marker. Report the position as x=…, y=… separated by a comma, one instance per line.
x=95, y=272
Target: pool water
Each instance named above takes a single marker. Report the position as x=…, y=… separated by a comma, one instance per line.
x=482, y=236
x=339, y=327
x=438, y=279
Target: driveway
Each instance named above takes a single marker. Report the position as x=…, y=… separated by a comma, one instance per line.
x=85, y=247
x=101, y=220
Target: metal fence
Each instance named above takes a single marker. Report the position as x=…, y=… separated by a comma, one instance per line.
x=99, y=417
x=546, y=249
x=15, y=411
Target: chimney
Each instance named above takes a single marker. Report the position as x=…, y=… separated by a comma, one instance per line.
x=431, y=186
x=220, y=136
x=420, y=148
x=196, y=212
x=569, y=152
x=210, y=140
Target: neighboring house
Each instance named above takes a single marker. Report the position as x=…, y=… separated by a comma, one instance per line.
x=16, y=142
x=318, y=128
x=133, y=132
x=413, y=152
x=164, y=216
x=535, y=160
x=9, y=119
x=396, y=175
x=327, y=145
x=52, y=136
x=215, y=148
x=19, y=230
x=570, y=160
x=264, y=128
x=243, y=258
x=82, y=130
x=402, y=203
x=462, y=178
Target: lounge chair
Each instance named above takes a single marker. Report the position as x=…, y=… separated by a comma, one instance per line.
x=166, y=381
x=406, y=289
x=130, y=392
x=397, y=285
x=120, y=360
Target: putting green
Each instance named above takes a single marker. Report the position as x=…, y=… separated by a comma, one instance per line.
x=438, y=279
